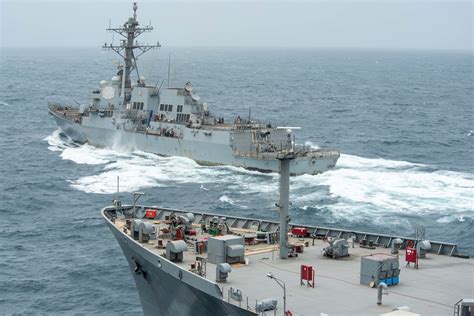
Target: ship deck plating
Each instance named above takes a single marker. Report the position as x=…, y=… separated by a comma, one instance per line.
x=430, y=290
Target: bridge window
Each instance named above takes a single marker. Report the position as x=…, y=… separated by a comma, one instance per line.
x=138, y=105
x=180, y=117
x=180, y=109
x=166, y=107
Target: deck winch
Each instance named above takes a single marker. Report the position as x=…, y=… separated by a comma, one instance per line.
x=175, y=249
x=179, y=225
x=222, y=272
x=395, y=245
x=337, y=248
x=142, y=231
x=422, y=247
x=217, y=226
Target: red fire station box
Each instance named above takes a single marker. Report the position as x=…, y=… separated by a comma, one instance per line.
x=150, y=214
x=307, y=274
x=410, y=256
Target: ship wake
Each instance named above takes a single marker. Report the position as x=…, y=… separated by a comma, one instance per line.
x=357, y=188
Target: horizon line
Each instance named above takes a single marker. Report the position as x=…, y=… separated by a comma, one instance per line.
x=471, y=50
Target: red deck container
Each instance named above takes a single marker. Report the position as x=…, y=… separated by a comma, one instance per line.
x=299, y=231
x=150, y=214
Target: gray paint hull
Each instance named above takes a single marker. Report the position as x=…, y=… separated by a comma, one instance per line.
x=166, y=293
x=191, y=146
x=163, y=293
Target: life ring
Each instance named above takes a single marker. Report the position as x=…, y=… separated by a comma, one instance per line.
x=410, y=244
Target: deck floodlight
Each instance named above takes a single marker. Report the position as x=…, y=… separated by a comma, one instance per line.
x=283, y=286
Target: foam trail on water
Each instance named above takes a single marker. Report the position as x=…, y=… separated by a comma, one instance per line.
x=451, y=218
x=88, y=155
x=84, y=154
x=365, y=187
x=139, y=170
x=57, y=142
x=311, y=145
x=228, y=200
x=358, y=188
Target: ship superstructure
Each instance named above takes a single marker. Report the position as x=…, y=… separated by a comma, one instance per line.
x=176, y=122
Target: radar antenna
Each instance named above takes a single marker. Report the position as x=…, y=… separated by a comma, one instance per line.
x=130, y=31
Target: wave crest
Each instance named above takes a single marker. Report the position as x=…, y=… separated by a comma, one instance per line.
x=357, y=188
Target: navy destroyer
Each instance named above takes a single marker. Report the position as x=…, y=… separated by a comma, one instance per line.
x=198, y=263
x=175, y=121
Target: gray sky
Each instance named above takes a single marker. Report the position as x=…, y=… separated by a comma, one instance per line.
x=399, y=24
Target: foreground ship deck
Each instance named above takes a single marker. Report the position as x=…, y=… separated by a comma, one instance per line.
x=432, y=289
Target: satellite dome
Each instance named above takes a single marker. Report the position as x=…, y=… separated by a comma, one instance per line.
x=188, y=87
x=142, y=80
x=115, y=79
x=195, y=96
x=103, y=82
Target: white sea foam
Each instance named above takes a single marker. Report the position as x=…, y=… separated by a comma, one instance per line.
x=311, y=145
x=358, y=188
x=364, y=187
x=451, y=218
x=140, y=170
x=226, y=199
x=56, y=143
x=84, y=154
x=87, y=155
x=5, y=104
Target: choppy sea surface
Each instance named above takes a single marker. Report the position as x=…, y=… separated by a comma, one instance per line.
x=402, y=120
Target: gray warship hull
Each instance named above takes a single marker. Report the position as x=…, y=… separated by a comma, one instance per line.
x=169, y=288
x=195, y=144
x=161, y=290
x=176, y=122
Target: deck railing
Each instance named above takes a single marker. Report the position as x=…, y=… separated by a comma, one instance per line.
x=245, y=302
x=379, y=240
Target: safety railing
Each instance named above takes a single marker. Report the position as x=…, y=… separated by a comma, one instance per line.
x=235, y=297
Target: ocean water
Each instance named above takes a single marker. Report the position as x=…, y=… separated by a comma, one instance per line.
x=402, y=120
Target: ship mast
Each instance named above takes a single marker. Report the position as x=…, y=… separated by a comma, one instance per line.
x=130, y=31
